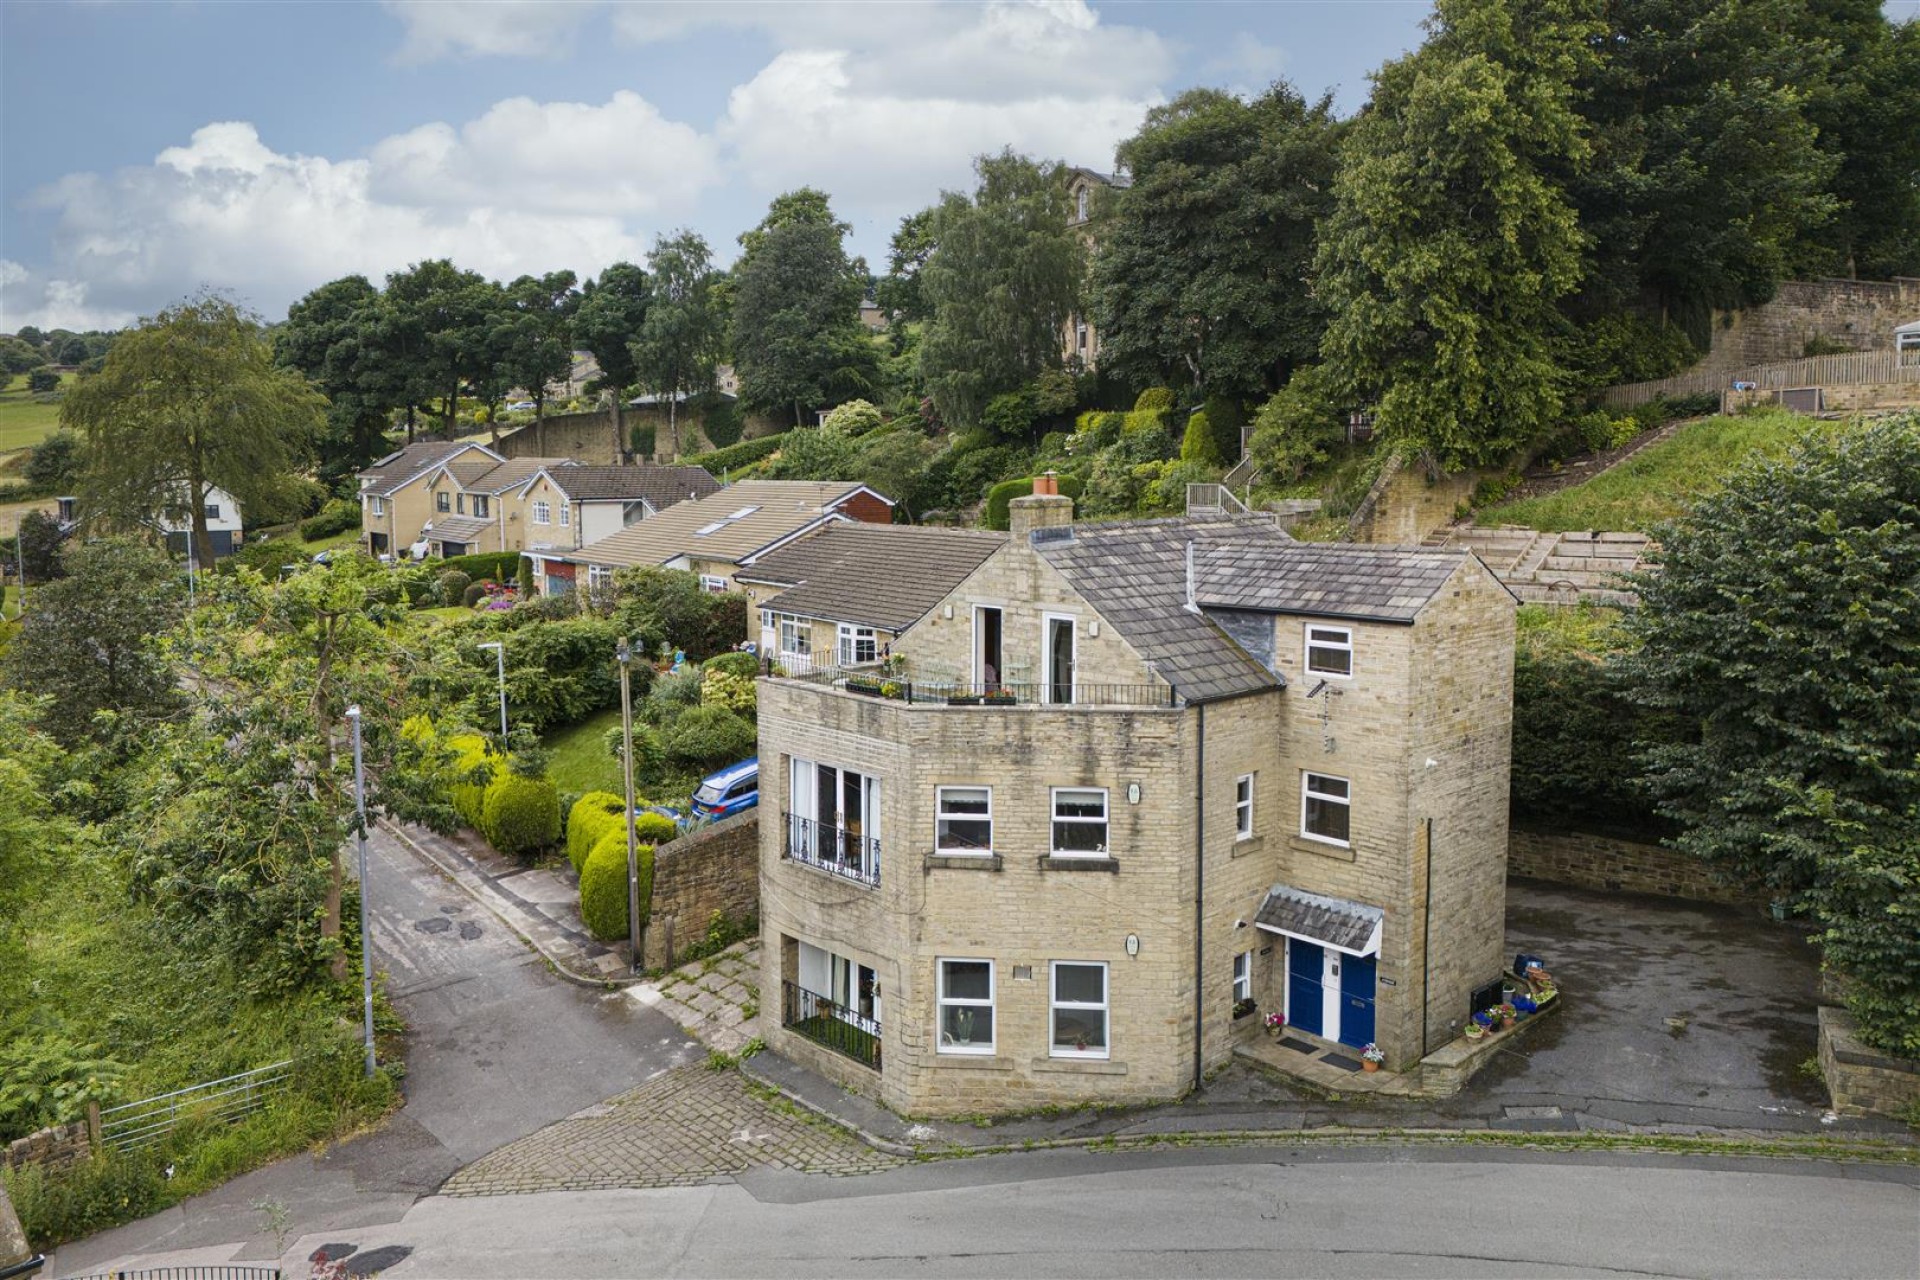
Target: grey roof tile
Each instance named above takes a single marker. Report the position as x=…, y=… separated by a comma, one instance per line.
x=661, y=487
x=1347, y=926
x=876, y=575
x=1336, y=580
x=402, y=465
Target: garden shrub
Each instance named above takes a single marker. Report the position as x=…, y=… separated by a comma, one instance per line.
x=855, y=418
x=724, y=689
x=592, y=816
x=520, y=814
x=265, y=558
x=733, y=663
x=1227, y=417
x=721, y=421
x=337, y=516
x=739, y=455
x=709, y=736
x=42, y=380
x=451, y=586
x=500, y=566
x=655, y=829
x=474, y=594
x=673, y=692
x=1000, y=497
x=1098, y=428
x=1296, y=429
x=1198, y=444
x=468, y=793
x=1154, y=400
x=603, y=885
x=649, y=751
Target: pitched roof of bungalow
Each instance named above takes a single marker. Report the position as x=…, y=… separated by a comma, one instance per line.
x=728, y=526
x=658, y=487
x=404, y=465
x=874, y=575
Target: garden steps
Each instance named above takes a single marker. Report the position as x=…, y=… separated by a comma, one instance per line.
x=1553, y=568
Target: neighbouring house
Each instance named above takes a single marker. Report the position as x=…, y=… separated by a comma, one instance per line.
x=838, y=597
x=571, y=506
x=395, y=501
x=1906, y=342
x=715, y=535
x=1131, y=776
x=226, y=530
x=1079, y=340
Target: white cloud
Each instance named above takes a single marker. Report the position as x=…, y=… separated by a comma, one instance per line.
x=1250, y=61
x=487, y=28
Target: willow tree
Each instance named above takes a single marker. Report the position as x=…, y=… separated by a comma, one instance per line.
x=188, y=401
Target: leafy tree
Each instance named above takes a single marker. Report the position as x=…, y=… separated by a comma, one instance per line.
x=899, y=292
x=679, y=344
x=38, y=538
x=1451, y=236
x=339, y=335
x=797, y=339
x=54, y=464
x=189, y=400
x=93, y=640
x=533, y=339
x=612, y=312
x=823, y=454
x=1201, y=271
x=1782, y=620
x=42, y=380
x=1004, y=276
x=450, y=314
x=72, y=351
x=31, y=336
x=18, y=356
x=1297, y=427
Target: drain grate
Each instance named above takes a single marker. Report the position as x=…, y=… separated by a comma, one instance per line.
x=1533, y=1113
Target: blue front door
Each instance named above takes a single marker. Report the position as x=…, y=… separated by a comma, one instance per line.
x=1356, y=1000
x=1304, y=992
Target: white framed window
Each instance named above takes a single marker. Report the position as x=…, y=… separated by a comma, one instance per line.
x=377, y=505
x=1326, y=805
x=1079, y=822
x=1243, y=976
x=963, y=820
x=1330, y=651
x=480, y=505
x=966, y=1006
x=857, y=645
x=796, y=636
x=599, y=575
x=442, y=502
x=1079, y=1009
x=713, y=585
x=1243, y=807
x=213, y=511
x=542, y=512
x=566, y=514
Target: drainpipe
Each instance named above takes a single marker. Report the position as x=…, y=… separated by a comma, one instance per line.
x=1199, y=894
x=1426, y=941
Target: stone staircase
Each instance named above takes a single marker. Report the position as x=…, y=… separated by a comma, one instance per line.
x=1553, y=568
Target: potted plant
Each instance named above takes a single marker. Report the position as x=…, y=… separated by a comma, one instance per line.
x=1372, y=1056
x=963, y=1027
x=1275, y=1022
x=1506, y=991
x=963, y=699
x=1525, y=1006
x=1241, y=1008
x=1507, y=1013
x=891, y=689
x=998, y=698
x=863, y=684
x=1476, y=1029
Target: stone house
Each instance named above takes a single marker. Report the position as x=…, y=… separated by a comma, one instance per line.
x=564, y=507
x=1079, y=339
x=395, y=502
x=1137, y=774
x=713, y=536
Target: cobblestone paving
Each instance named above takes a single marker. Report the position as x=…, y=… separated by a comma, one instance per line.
x=685, y=1127
x=716, y=1000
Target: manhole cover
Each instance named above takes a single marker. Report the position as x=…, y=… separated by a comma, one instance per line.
x=1533, y=1113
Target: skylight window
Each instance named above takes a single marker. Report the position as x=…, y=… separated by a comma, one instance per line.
x=706, y=529
x=743, y=513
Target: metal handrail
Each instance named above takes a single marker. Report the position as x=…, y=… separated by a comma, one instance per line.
x=834, y=1026
x=835, y=850
x=935, y=690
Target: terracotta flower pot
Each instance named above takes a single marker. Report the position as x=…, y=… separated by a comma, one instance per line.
x=1369, y=1066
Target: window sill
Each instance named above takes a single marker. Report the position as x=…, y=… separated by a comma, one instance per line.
x=1341, y=853
x=964, y=861
x=1081, y=1066
x=1250, y=844
x=1053, y=862
x=971, y=1062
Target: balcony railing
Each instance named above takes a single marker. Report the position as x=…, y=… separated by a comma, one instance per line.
x=921, y=690
x=834, y=1026
x=835, y=850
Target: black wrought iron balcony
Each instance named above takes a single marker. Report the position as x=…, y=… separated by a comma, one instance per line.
x=838, y=851
x=834, y=1026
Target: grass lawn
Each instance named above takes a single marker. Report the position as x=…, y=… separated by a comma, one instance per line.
x=10, y=513
x=9, y=602
x=580, y=760
x=25, y=420
x=1661, y=482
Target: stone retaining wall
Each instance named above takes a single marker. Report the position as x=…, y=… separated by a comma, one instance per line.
x=1864, y=1081
x=51, y=1149
x=716, y=868
x=1608, y=862
x=1860, y=314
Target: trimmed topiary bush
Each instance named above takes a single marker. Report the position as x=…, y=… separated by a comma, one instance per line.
x=520, y=814
x=709, y=736
x=592, y=816
x=1198, y=445
x=603, y=885
x=655, y=829
x=451, y=585
x=1002, y=495
x=738, y=455
x=474, y=594
x=1154, y=400
x=497, y=565
x=469, y=798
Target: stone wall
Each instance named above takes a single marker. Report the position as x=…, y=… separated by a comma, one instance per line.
x=1843, y=397
x=716, y=868
x=584, y=437
x=1861, y=314
x=1864, y=1081
x=54, y=1148
x=1406, y=504
x=1609, y=862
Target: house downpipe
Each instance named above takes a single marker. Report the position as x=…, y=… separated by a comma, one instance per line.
x=1199, y=891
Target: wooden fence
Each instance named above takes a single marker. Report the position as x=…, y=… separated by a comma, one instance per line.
x=1815, y=371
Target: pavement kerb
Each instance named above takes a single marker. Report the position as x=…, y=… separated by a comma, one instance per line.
x=463, y=879
x=1754, y=1145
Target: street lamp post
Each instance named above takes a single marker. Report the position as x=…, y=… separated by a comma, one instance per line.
x=500, y=656
x=636, y=932
x=366, y=930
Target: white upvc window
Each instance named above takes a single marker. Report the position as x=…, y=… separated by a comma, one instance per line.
x=963, y=820
x=480, y=506
x=542, y=512
x=857, y=645
x=712, y=584
x=966, y=1006
x=566, y=514
x=442, y=502
x=796, y=636
x=1326, y=805
x=1243, y=976
x=1243, y=807
x=1079, y=1010
x=378, y=506
x=599, y=575
x=1330, y=651
x=1079, y=822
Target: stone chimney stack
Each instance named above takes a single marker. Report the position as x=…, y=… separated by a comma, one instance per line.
x=1047, y=508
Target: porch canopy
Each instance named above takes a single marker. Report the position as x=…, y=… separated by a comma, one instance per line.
x=1349, y=927
x=456, y=529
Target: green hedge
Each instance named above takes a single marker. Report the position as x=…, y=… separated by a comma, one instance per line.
x=501, y=566
x=520, y=814
x=656, y=829
x=738, y=455
x=603, y=886
x=469, y=798
x=337, y=516
x=734, y=664
x=1006, y=491
x=709, y=736
x=592, y=816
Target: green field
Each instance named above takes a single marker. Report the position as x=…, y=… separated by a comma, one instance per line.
x=1658, y=483
x=26, y=420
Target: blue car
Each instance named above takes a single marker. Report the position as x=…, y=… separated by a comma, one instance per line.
x=728, y=791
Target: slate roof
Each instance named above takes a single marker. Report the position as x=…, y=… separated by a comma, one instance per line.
x=394, y=470
x=1328, y=580
x=780, y=508
x=1351, y=927
x=511, y=473
x=661, y=487
x=876, y=575
x=1135, y=573
x=456, y=528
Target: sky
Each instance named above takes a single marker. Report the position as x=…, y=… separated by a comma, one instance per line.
x=149, y=150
